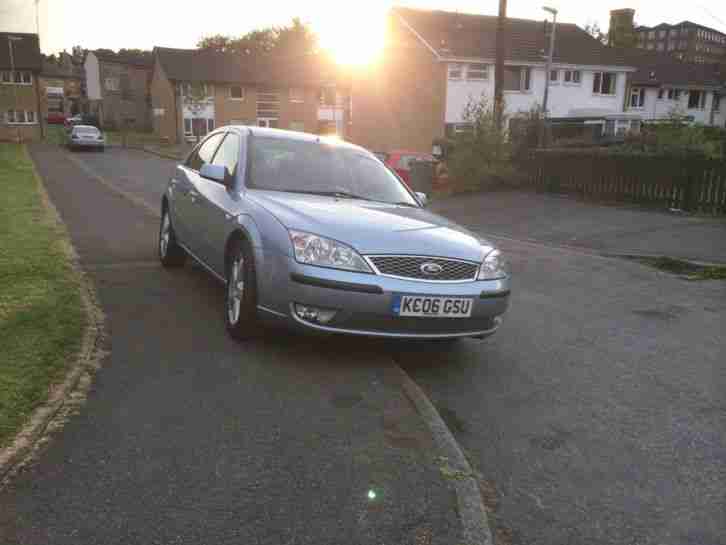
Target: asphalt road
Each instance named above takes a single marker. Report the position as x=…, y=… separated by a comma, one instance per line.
x=190, y=438
x=596, y=414
x=565, y=220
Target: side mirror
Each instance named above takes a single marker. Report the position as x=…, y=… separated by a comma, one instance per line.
x=422, y=198
x=216, y=173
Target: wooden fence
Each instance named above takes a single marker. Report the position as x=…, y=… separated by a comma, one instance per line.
x=687, y=184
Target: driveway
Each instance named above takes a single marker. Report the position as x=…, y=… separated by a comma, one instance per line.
x=188, y=437
x=596, y=415
x=564, y=220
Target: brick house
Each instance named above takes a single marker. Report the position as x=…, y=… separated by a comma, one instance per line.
x=62, y=88
x=194, y=91
x=19, y=87
x=434, y=62
x=119, y=90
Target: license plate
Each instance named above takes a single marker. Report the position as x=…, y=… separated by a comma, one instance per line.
x=426, y=306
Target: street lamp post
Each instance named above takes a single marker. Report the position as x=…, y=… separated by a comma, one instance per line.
x=12, y=39
x=548, y=69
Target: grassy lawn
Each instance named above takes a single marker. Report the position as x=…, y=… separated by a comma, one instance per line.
x=41, y=318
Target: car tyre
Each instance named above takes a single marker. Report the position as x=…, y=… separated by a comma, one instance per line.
x=171, y=254
x=240, y=301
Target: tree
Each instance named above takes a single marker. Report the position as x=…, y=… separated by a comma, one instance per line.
x=593, y=29
x=296, y=38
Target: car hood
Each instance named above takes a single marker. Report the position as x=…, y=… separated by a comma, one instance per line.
x=372, y=227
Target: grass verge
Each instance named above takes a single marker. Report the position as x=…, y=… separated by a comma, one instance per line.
x=41, y=315
x=691, y=271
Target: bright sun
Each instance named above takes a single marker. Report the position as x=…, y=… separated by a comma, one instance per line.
x=356, y=43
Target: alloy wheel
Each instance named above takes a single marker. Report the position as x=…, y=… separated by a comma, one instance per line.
x=235, y=290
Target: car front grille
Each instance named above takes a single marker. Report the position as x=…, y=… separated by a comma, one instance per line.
x=406, y=266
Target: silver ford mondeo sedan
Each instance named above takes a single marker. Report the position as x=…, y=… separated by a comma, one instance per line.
x=320, y=235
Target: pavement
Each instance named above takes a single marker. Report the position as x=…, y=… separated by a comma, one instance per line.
x=189, y=437
x=564, y=220
x=595, y=415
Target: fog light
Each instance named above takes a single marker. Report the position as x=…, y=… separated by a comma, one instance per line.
x=314, y=314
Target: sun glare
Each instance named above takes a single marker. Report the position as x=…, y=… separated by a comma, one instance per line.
x=358, y=40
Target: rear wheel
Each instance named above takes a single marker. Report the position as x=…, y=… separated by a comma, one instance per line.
x=240, y=302
x=170, y=253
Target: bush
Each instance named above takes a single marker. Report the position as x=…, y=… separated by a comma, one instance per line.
x=480, y=157
x=676, y=137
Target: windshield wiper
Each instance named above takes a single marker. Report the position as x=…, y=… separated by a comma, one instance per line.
x=410, y=205
x=337, y=194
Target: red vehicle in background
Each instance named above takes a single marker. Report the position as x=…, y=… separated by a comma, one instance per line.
x=56, y=118
x=400, y=161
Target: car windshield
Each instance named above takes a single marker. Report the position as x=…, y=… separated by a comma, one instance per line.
x=281, y=164
x=86, y=131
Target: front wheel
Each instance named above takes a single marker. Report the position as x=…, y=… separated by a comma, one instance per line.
x=171, y=254
x=240, y=302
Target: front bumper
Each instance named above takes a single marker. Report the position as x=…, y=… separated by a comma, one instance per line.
x=88, y=143
x=364, y=302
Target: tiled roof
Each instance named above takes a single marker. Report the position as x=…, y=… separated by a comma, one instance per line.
x=663, y=69
x=133, y=60
x=213, y=66
x=26, y=51
x=465, y=35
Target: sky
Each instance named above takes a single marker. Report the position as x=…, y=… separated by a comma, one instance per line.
x=344, y=24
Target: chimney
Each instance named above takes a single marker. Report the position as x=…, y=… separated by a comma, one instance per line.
x=622, y=28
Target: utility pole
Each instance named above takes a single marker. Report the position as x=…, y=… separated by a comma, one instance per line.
x=499, y=66
x=548, y=69
x=37, y=21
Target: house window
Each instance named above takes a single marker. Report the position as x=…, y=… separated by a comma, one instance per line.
x=187, y=126
x=112, y=84
x=236, y=92
x=637, y=97
x=297, y=94
x=716, y=107
x=661, y=46
x=554, y=75
x=516, y=78
x=477, y=71
x=662, y=34
x=696, y=99
x=268, y=105
x=572, y=76
x=19, y=117
x=671, y=46
x=651, y=46
x=651, y=34
x=604, y=83
x=455, y=71
x=210, y=125
x=660, y=94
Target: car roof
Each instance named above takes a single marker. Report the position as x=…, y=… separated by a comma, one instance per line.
x=84, y=127
x=293, y=135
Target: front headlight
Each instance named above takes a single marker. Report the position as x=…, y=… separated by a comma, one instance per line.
x=324, y=252
x=494, y=267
